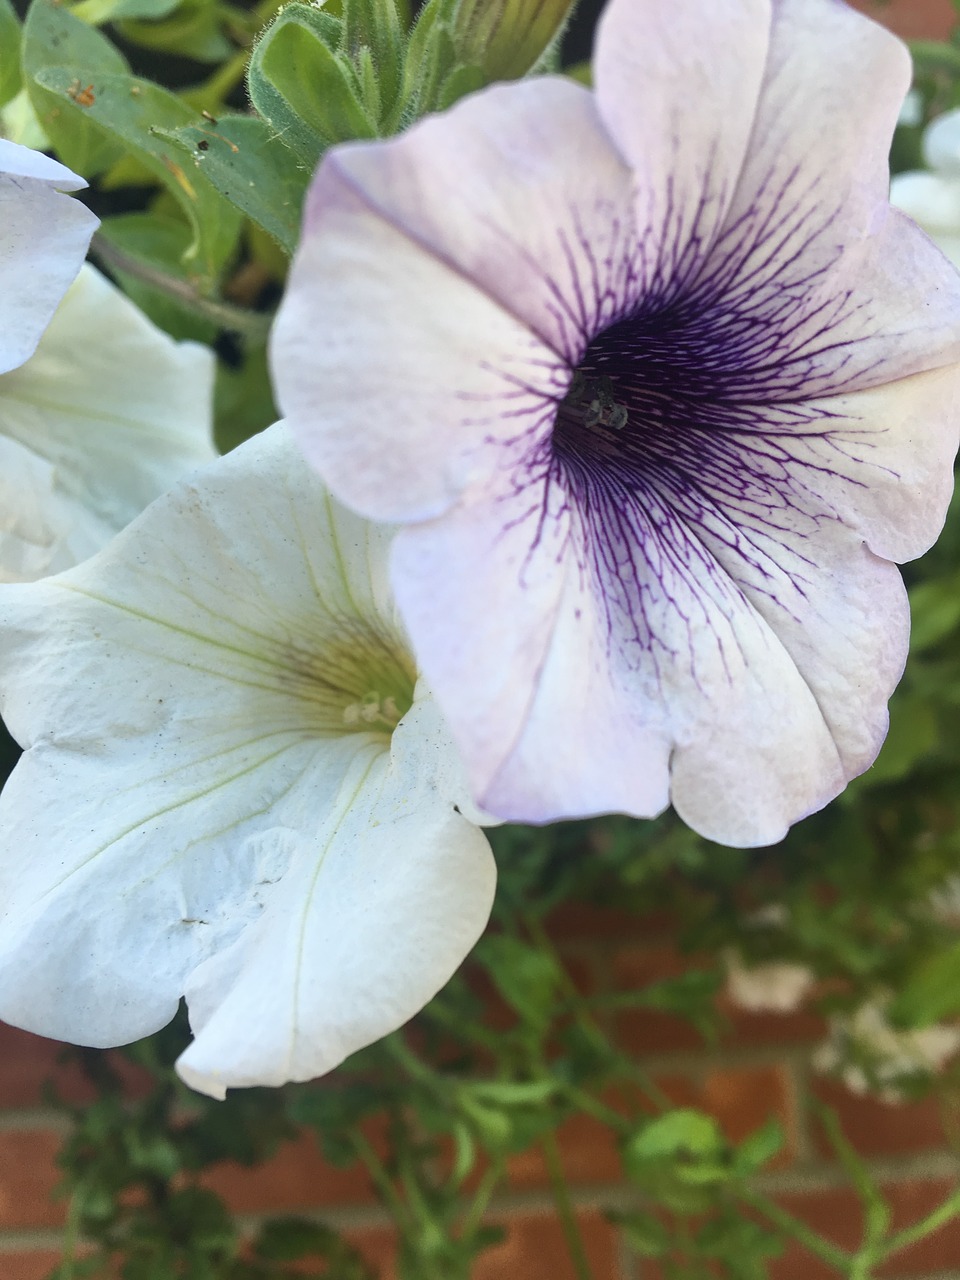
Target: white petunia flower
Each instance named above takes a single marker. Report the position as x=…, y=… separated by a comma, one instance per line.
x=932, y=198
x=44, y=235
x=234, y=787
x=659, y=388
x=104, y=417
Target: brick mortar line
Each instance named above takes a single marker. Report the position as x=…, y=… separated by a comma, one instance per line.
x=938, y=1275
x=24, y=1241
x=35, y=1118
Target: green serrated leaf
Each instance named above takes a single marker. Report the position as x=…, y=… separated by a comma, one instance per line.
x=53, y=38
x=240, y=157
x=135, y=111
x=10, y=79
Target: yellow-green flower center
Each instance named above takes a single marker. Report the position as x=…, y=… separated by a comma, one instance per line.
x=354, y=677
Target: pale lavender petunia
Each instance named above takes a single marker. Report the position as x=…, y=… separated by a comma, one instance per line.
x=660, y=387
x=44, y=235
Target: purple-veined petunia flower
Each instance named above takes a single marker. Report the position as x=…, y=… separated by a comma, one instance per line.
x=660, y=387
x=44, y=235
x=233, y=788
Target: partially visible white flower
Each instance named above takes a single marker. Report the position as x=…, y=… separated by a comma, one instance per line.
x=932, y=199
x=233, y=789
x=105, y=416
x=44, y=235
x=870, y=1054
x=776, y=986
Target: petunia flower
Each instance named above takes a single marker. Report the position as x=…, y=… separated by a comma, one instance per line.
x=44, y=235
x=104, y=417
x=659, y=387
x=932, y=197
x=234, y=787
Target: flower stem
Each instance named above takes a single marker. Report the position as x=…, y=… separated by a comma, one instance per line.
x=378, y=1176
x=478, y=1206
x=249, y=324
x=926, y=1226
x=799, y=1231
x=565, y=1210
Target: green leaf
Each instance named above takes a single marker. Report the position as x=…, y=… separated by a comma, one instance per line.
x=243, y=403
x=646, y=1236
x=457, y=84
x=913, y=734
x=431, y=56
x=287, y=1239
x=374, y=26
x=53, y=38
x=758, y=1147
x=99, y=11
x=192, y=30
x=155, y=242
x=683, y=1132
x=930, y=993
x=240, y=157
x=508, y=37
x=9, y=52
x=303, y=88
x=526, y=977
x=135, y=112
x=934, y=611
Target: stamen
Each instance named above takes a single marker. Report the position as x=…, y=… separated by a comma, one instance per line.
x=590, y=403
x=372, y=710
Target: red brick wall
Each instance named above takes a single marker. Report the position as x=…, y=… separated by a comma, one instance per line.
x=912, y=19
x=761, y=1069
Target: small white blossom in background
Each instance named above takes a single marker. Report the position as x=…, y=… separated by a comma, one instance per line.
x=698, y=395
x=871, y=1055
x=234, y=787
x=775, y=986
x=104, y=417
x=932, y=198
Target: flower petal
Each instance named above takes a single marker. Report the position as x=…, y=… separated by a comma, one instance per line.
x=518, y=273
x=813, y=285
x=104, y=417
x=375, y=913
x=184, y=759
x=677, y=88
x=44, y=237
x=932, y=200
